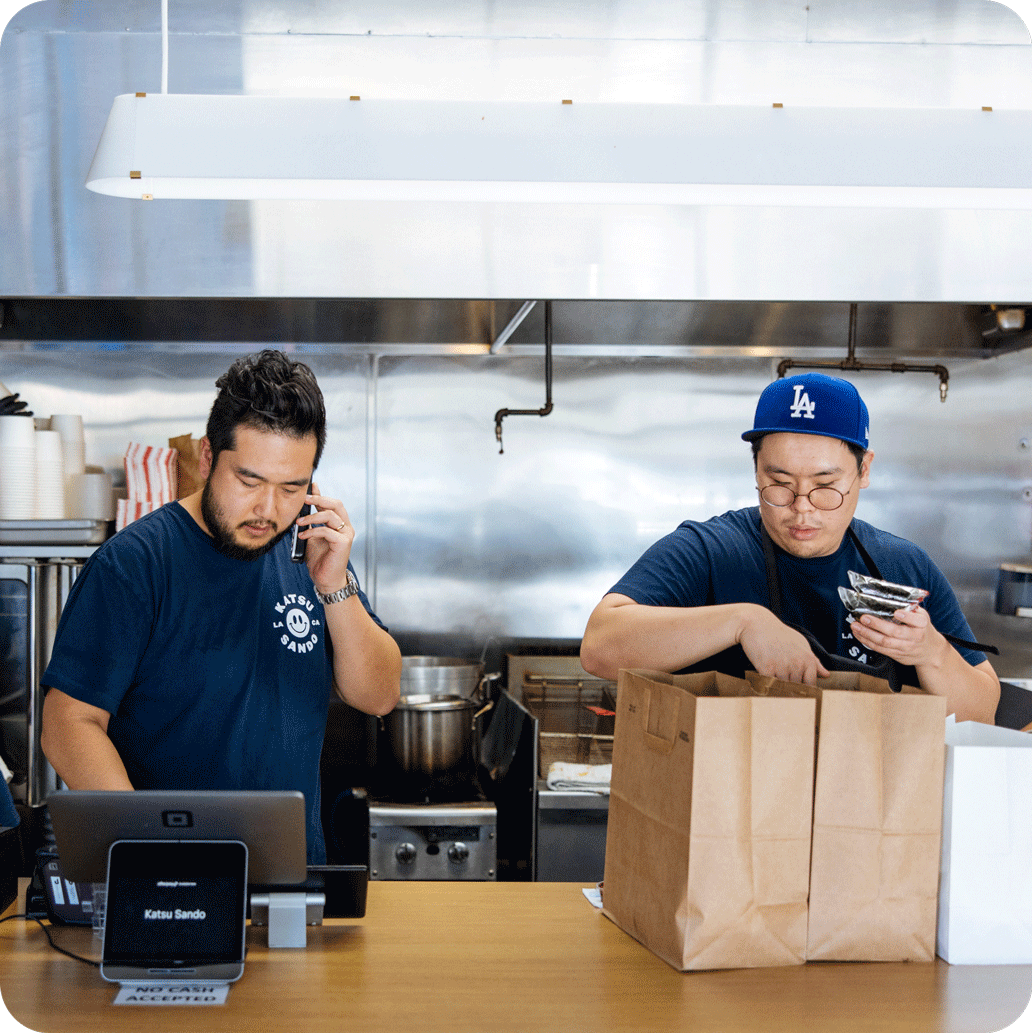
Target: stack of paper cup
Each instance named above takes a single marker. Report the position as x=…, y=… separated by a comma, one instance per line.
x=17, y=468
x=73, y=449
x=73, y=443
x=90, y=496
x=50, y=482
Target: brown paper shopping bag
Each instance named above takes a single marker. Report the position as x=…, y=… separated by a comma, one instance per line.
x=877, y=819
x=708, y=840
x=877, y=826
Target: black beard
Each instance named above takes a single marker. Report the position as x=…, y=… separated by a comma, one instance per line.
x=222, y=536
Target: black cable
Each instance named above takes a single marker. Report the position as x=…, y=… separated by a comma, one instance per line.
x=50, y=940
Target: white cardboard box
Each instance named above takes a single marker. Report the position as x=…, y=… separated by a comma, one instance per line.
x=985, y=884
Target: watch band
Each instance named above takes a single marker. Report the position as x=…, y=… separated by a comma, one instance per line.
x=350, y=589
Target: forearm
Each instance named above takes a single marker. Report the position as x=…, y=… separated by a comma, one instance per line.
x=972, y=693
x=665, y=638
x=79, y=749
x=366, y=660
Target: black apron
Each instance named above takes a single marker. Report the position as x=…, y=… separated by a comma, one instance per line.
x=881, y=666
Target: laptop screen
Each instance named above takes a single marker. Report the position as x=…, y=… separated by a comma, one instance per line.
x=175, y=909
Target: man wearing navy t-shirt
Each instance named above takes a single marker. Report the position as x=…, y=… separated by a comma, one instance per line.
x=702, y=597
x=192, y=653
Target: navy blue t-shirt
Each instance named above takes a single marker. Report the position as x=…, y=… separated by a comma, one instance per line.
x=721, y=561
x=215, y=671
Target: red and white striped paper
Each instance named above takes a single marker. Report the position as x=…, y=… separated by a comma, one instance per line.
x=151, y=479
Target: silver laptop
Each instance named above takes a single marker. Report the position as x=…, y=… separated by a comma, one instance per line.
x=176, y=911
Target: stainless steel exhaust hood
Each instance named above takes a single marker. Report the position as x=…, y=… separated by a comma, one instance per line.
x=502, y=327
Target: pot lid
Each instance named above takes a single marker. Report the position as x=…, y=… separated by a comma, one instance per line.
x=428, y=702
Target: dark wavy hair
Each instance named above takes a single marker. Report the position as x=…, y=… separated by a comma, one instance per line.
x=268, y=392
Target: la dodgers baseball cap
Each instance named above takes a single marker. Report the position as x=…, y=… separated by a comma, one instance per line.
x=812, y=403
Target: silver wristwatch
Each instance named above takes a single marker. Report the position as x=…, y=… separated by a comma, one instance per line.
x=341, y=594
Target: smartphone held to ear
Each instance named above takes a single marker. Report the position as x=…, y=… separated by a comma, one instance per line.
x=297, y=545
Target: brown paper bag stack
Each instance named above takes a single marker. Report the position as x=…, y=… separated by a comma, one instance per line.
x=190, y=479
x=877, y=820
x=708, y=843
x=708, y=856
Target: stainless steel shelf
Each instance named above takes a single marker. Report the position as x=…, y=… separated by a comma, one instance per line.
x=23, y=553
x=568, y=800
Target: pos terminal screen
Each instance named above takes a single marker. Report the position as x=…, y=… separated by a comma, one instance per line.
x=175, y=903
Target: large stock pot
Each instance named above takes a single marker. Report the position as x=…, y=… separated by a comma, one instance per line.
x=439, y=676
x=433, y=730
x=433, y=735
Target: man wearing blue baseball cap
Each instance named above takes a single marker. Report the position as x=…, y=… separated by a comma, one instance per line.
x=757, y=588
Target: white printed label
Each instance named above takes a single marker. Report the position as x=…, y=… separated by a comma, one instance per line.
x=55, y=885
x=172, y=993
x=73, y=896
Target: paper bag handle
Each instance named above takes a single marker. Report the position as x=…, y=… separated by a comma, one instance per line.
x=658, y=743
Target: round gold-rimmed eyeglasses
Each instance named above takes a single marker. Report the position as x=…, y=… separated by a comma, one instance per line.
x=780, y=496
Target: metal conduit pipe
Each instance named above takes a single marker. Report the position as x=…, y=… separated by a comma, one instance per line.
x=547, y=407
x=852, y=363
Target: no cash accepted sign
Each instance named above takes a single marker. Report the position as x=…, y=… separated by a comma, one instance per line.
x=173, y=993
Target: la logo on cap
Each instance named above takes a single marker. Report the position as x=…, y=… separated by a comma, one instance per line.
x=802, y=406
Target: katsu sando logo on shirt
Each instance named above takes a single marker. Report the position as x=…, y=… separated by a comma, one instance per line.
x=802, y=406
x=296, y=623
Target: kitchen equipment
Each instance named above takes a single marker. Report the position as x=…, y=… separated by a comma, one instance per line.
x=440, y=676
x=473, y=817
x=434, y=841
x=1014, y=590
x=433, y=735
x=574, y=710
x=570, y=827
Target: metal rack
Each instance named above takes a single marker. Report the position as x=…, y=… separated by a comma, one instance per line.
x=575, y=718
x=49, y=571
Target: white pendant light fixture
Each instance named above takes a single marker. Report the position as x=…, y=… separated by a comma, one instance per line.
x=249, y=147
x=158, y=146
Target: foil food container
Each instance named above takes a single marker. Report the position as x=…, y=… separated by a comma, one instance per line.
x=878, y=598
x=886, y=589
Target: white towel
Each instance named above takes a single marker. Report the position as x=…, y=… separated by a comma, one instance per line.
x=592, y=778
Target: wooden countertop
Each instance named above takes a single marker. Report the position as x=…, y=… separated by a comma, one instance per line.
x=511, y=958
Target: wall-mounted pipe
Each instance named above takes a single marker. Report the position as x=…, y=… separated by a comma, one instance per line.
x=547, y=408
x=852, y=363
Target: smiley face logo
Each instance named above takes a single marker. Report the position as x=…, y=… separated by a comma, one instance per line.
x=298, y=623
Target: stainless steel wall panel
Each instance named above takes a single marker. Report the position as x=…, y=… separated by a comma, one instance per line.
x=525, y=543
x=471, y=544
x=62, y=63
x=150, y=397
